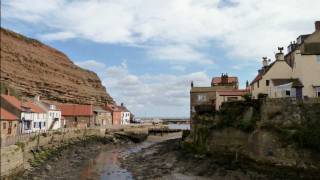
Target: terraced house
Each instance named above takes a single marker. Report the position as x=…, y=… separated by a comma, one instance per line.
x=296, y=74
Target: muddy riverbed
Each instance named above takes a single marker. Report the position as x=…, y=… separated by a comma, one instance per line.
x=92, y=160
x=159, y=157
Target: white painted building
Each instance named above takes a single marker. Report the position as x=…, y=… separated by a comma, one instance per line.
x=33, y=118
x=53, y=120
x=125, y=115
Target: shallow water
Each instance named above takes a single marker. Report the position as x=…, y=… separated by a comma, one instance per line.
x=106, y=165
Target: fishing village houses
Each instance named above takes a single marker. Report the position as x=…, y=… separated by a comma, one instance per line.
x=296, y=74
x=292, y=75
x=20, y=117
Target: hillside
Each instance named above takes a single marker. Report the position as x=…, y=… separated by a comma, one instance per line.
x=33, y=68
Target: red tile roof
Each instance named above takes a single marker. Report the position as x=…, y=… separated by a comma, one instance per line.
x=5, y=115
x=237, y=92
x=12, y=100
x=76, y=110
x=217, y=80
x=34, y=108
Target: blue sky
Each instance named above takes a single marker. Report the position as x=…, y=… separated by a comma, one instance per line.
x=147, y=52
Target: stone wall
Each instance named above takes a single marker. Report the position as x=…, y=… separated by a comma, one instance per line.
x=285, y=132
x=18, y=157
x=11, y=160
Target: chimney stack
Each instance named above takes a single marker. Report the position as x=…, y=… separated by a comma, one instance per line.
x=37, y=98
x=317, y=25
x=121, y=104
x=264, y=61
x=280, y=55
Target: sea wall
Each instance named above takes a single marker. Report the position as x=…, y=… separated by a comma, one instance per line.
x=272, y=132
x=25, y=154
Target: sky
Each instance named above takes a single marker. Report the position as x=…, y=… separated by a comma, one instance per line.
x=147, y=52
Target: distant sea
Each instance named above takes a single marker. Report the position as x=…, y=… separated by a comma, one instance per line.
x=179, y=126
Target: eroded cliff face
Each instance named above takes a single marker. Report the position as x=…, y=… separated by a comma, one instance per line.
x=33, y=68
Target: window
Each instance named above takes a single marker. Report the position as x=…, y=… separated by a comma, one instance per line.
x=258, y=83
x=4, y=125
x=34, y=125
x=201, y=98
x=318, y=59
x=318, y=91
x=267, y=82
x=288, y=93
x=44, y=124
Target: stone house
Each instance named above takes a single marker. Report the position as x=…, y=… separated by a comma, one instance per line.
x=116, y=113
x=204, y=98
x=102, y=117
x=13, y=106
x=295, y=74
x=76, y=115
x=229, y=95
x=8, y=124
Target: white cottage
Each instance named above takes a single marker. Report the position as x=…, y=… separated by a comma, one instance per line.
x=53, y=120
x=33, y=118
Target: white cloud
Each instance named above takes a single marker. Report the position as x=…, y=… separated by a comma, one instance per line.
x=57, y=36
x=91, y=64
x=179, y=54
x=147, y=94
x=248, y=29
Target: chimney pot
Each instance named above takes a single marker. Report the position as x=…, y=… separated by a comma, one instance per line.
x=317, y=25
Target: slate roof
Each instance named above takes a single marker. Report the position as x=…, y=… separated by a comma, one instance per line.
x=261, y=74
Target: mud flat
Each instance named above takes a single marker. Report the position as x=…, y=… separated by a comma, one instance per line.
x=92, y=159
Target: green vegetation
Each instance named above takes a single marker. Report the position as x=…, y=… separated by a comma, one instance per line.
x=238, y=114
x=304, y=135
